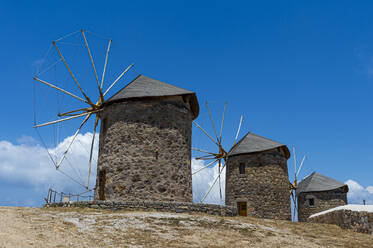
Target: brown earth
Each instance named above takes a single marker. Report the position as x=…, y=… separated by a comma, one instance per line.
x=79, y=227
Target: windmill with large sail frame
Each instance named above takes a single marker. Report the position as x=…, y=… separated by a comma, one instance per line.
x=215, y=158
x=74, y=86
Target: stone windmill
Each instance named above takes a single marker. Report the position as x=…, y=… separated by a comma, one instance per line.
x=317, y=193
x=145, y=128
x=257, y=179
x=145, y=143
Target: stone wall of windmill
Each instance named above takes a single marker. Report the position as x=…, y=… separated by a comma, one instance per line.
x=310, y=203
x=260, y=182
x=145, y=146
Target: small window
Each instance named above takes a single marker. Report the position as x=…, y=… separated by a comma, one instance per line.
x=311, y=202
x=242, y=168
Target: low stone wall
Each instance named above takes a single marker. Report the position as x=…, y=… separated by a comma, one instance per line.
x=347, y=219
x=176, y=207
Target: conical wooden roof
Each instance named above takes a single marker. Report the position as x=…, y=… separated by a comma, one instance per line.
x=143, y=87
x=251, y=143
x=317, y=182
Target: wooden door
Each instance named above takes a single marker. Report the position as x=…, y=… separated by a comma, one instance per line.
x=102, y=182
x=242, y=208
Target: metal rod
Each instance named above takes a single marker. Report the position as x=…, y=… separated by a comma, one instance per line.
x=57, y=88
x=106, y=58
x=91, y=152
x=76, y=133
x=116, y=80
x=205, y=132
x=72, y=75
x=93, y=66
x=204, y=167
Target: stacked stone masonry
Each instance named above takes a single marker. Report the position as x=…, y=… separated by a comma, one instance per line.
x=347, y=219
x=145, y=151
x=264, y=185
x=176, y=207
x=323, y=200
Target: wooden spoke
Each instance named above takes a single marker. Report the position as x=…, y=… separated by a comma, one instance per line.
x=74, y=111
x=93, y=66
x=216, y=179
x=204, y=167
x=205, y=132
x=57, y=88
x=238, y=131
x=206, y=157
x=203, y=151
x=295, y=162
x=72, y=75
x=116, y=80
x=106, y=58
x=221, y=197
x=65, y=119
x=222, y=123
x=301, y=164
x=72, y=141
x=91, y=152
x=212, y=122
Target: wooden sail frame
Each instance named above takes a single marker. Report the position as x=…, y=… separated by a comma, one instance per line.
x=92, y=109
x=216, y=157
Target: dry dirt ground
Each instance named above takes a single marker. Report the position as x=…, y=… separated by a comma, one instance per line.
x=78, y=227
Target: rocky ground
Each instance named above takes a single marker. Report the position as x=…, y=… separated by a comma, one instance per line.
x=79, y=227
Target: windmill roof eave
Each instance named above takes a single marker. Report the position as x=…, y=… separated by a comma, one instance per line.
x=146, y=87
x=253, y=143
x=319, y=183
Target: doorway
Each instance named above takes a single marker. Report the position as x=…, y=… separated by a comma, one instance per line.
x=102, y=182
x=242, y=208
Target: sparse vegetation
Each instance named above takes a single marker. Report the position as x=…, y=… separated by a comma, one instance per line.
x=77, y=227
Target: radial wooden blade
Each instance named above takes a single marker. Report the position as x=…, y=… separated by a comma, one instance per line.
x=206, y=133
x=301, y=164
x=216, y=179
x=91, y=152
x=72, y=141
x=204, y=167
x=65, y=119
x=222, y=123
x=238, y=131
x=57, y=88
x=93, y=66
x=221, y=197
x=203, y=151
x=118, y=78
x=212, y=122
x=72, y=74
x=104, y=71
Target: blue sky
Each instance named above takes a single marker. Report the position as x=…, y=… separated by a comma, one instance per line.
x=300, y=72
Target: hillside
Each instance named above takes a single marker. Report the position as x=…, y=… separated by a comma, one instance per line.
x=78, y=227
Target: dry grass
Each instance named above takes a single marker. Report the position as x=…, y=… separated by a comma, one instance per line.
x=80, y=227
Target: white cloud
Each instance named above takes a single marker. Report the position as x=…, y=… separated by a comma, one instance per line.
x=204, y=179
x=29, y=164
x=358, y=193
